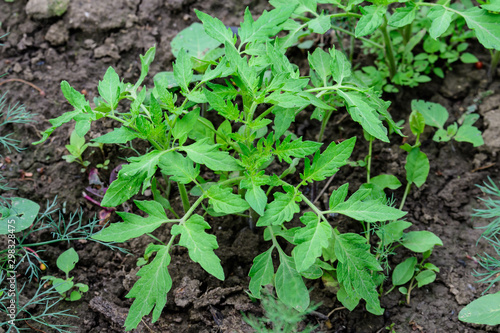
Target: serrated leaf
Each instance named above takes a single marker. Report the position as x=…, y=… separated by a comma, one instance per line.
x=283, y=118
x=146, y=61
x=338, y=196
x=261, y=273
x=484, y=310
x=215, y=28
x=340, y=66
x=255, y=195
x=184, y=126
x=349, y=301
x=420, y=241
x=404, y=271
x=224, y=201
x=403, y=16
x=310, y=241
x=320, y=61
x=434, y=114
x=200, y=245
x=150, y=291
x=246, y=75
x=179, y=168
x=417, y=167
x=441, y=19
x=485, y=25
x=290, y=286
x=225, y=108
x=118, y=135
x=296, y=148
x=204, y=153
x=183, y=72
x=373, y=17
x=327, y=163
x=195, y=41
x=320, y=24
x=267, y=25
x=392, y=232
x=280, y=210
x=109, y=87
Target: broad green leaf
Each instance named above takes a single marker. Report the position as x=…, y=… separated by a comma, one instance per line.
x=20, y=216
x=492, y=6
x=215, y=28
x=118, y=135
x=121, y=190
x=134, y=225
x=290, y=286
x=180, y=168
x=340, y=66
x=109, y=87
x=468, y=58
x=224, y=201
x=417, y=122
x=195, y=41
x=281, y=209
x=183, y=72
x=200, y=245
x=435, y=114
x=255, y=195
x=403, y=16
x=184, y=126
x=328, y=163
x=150, y=291
x=392, y=232
x=441, y=19
x=310, y=241
x=320, y=24
x=349, y=301
x=287, y=99
x=425, y=277
x=417, y=167
x=204, y=153
x=484, y=310
x=386, y=181
x=267, y=25
x=404, y=271
x=296, y=148
x=168, y=80
x=261, y=273
x=320, y=61
x=420, y=241
x=283, y=118
x=485, y=25
x=364, y=114
x=353, y=269
x=471, y=134
x=67, y=260
x=373, y=17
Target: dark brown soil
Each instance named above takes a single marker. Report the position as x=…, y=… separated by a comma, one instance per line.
x=92, y=35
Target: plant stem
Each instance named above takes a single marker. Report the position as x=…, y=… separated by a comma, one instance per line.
x=369, y=162
x=389, y=50
x=495, y=58
x=407, y=190
x=184, y=197
x=323, y=124
x=314, y=208
x=366, y=40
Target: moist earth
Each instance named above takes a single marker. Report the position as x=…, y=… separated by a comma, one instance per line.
x=49, y=41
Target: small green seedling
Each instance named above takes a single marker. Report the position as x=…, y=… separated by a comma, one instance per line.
x=18, y=216
x=76, y=148
x=66, y=262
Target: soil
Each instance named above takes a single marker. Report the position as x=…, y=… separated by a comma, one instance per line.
x=93, y=35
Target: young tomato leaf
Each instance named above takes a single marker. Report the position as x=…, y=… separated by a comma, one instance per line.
x=184, y=126
x=247, y=75
x=146, y=61
x=75, y=98
x=225, y=108
x=441, y=19
x=261, y=273
x=310, y=241
x=420, y=241
x=373, y=17
x=224, y=201
x=183, y=72
x=215, y=28
x=328, y=163
x=268, y=24
x=403, y=16
x=290, y=286
x=349, y=301
x=150, y=290
x=134, y=225
x=255, y=195
x=109, y=88
x=368, y=210
x=118, y=135
x=180, y=168
x=283, y=118
x=320, y=24
x=340, y=66
x=485, y=25
x=353, y=269
x=417, y=167
x=204, y=153
x=338, y=196
x=404, y=271
x=296, y=148
x=200, y=245
x=281, y=209
x=392, y=232
x=321, y=61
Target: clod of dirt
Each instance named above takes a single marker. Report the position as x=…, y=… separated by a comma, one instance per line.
x=112, y=312
x=99, y=15
x=44, y=9
x=58, y=34
x=455, y=85
x=490, y=136
x=214, y=296
x=187, y=292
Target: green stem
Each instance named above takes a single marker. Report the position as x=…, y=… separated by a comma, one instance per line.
x=369, y=162
x=184, y=197
x=323, y=124
x=495, y=58
x=314, y=208
x=389, y=50
x=366, y=40
x=407, y=190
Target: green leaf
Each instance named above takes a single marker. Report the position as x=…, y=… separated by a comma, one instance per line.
x=296, y=148
x=403, y=16
x=267, y=25
x=386, y=181
x=146, y=61
x=364, y=114
x=310, y=241
x=420, y=241
x=320, y=24
x=425, y=277
x=349, y=301
x=134, y=225
x=328, y=163
x=118, y=135
x=368, y=210
x=247, y=75
x=290, y=286
x=255, y=195
x=392, y=232
x=184, y=125
x=404, y=271
x=109, y=88
x=204, y=153
x=281, y=209
x=485, y=25
x=353, y=269
x=150, y=290
x=417, y=167
x=441, y=19
x=373, y=17
x=261, y=273
x=417, y=122
x=224, y=201
x=215, y=28
x=225, y=108
x=492, y=6
x=200, y=245
x=320, y=61
x=435, y=114
x=469, y=133
x=484, y=310
x=183, y=72
x=75, y=98
x=180, y=168
x=283, y=118
x=195, y=41
x=20, y=216
x=67, y=260
x=338, y=196
x=340, y=66
x=468, y=58
x=287, y=99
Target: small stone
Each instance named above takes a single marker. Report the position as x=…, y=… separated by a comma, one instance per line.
x=17, y=68
x=44, y=9
x=58, y=34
